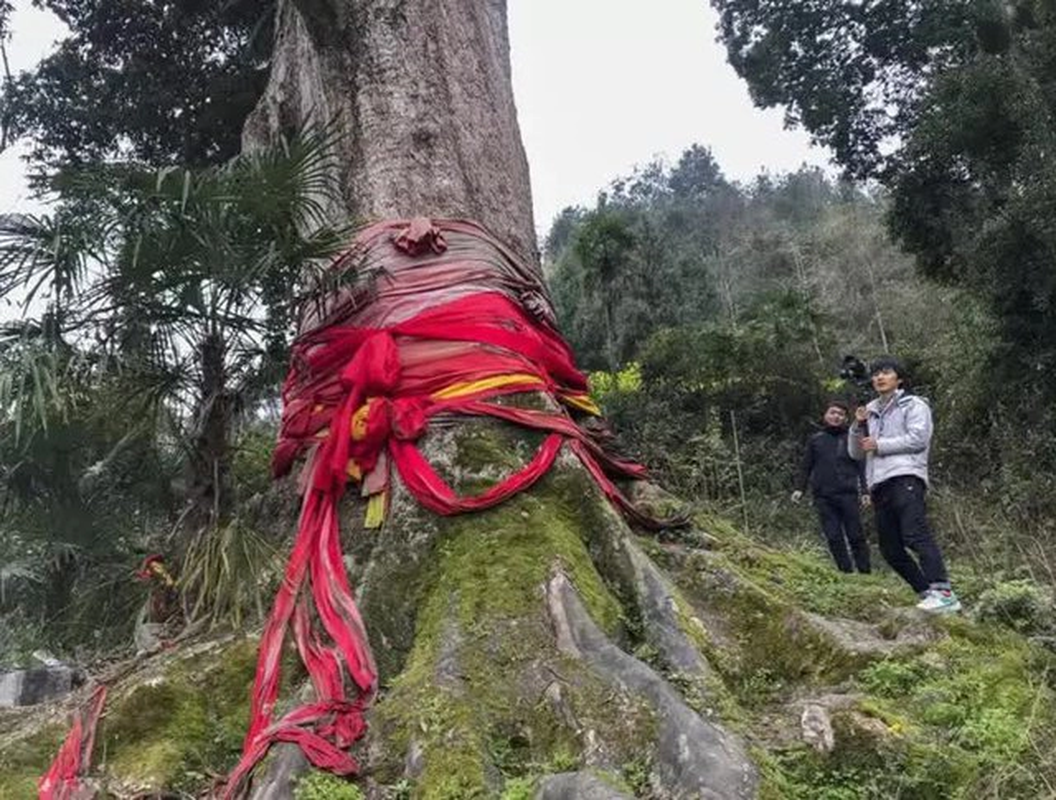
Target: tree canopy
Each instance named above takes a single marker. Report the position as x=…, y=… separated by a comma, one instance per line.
x=161, y=82
x=952, y=105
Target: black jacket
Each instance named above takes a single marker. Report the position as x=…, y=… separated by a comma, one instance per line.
x=828, y=466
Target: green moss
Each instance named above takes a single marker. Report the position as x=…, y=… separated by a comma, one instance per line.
x=708, y=696
x=183, y=726
x=969, y=715
x=498, y=561
x=23, y=762
x=635, y=774
x=981, y=700
x=806, y=580
x=768, y=646
x=174, y=731
x=481, y=629
x=326, y=786
x=486, y=452
x=967, y=719
x=483, y=447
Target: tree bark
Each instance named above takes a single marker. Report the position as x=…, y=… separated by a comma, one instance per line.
x=503, y=638
x=421, y=95
x=210, y=462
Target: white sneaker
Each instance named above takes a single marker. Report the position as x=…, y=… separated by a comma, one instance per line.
x=939, y=601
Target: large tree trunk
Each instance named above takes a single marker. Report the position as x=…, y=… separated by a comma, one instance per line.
x=420, y=93
x=504, y=637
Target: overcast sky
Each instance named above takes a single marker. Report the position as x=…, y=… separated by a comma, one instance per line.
x=601, y=85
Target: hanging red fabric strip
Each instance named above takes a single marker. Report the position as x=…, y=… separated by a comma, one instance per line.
x=451, y=322
x=440, y=319
x=63, y=780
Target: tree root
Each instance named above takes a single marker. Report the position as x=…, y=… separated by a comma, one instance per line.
x=558, y=668
x=694, y=758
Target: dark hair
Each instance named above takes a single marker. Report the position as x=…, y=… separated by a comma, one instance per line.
x=840, y=403
x=882, y=363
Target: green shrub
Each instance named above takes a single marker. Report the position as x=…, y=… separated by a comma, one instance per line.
x=1020, y=604
x=325, y=786
x=892, y=678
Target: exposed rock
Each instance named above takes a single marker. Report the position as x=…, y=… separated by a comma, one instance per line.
x=816, y=725
x=900, y=630
x=577, y=786
x=29, y=687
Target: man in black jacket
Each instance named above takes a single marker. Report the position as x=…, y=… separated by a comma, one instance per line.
x=837, y=481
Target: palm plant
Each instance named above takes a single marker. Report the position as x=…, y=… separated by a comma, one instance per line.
x=168, y=299
x=185, y=279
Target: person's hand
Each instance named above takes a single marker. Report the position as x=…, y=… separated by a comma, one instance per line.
x=869, y=444
x=861, y=414
x=796, y=497
x=865, y=501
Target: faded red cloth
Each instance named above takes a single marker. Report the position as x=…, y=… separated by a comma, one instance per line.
x=439, y=318
x=63, y=780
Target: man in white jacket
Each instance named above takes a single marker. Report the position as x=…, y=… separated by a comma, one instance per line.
x=893, y=435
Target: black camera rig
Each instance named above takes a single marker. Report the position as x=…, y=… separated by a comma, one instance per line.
x=855, y=373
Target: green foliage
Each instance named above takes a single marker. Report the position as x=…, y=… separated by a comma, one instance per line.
x=77, y=485
x=892, y=678
x=981, y=699
x=636, y=775
x=519, y=789
x=799, y=271
x=678, y=404
x=951, y=106
x=1020, y=604
x=126, y=407
x=202, y=66
x=326, y=786
x=798, y=55
x=251, y=460
x=626, y=381
x=194, y=281
x=230, y=572
x=637, y=262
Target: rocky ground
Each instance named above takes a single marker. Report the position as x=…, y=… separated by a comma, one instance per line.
x=540, y=650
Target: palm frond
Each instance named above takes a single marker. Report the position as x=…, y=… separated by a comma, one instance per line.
x=227, y=571
x=33, y=386
x=54, y=252
x=14, y=572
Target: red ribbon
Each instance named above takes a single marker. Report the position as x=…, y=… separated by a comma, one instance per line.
x=63, y=780
x=484, y=316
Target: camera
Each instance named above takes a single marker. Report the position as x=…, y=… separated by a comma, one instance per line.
x=855, y=373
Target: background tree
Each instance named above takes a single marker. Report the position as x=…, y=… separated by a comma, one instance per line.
x=203, y=66
x=951, y=105
x=603, y=247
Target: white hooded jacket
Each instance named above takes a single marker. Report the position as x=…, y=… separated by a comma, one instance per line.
x=902, y=430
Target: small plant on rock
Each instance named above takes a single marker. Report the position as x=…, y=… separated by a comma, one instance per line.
x=1019, y=604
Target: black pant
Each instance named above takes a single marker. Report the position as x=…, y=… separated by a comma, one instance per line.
x=901, y=523
x=841, y=525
